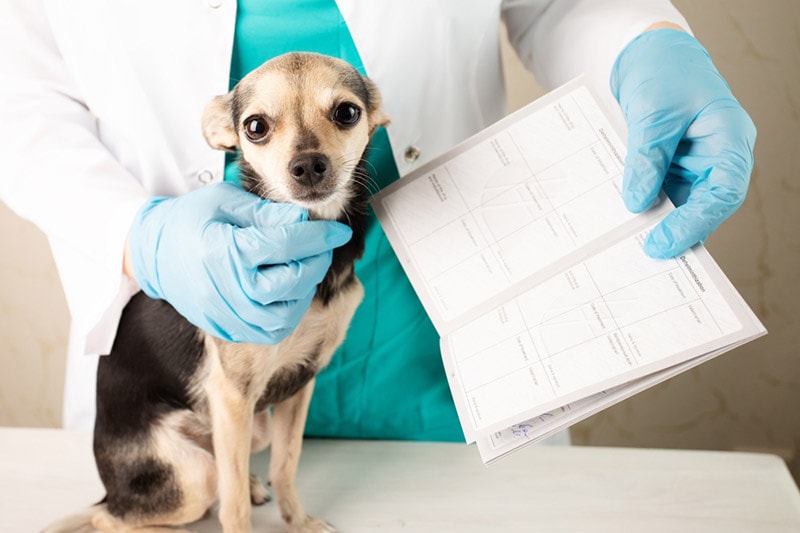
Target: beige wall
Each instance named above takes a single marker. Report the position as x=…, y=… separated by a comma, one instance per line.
x=747, y=399
x=33, y=327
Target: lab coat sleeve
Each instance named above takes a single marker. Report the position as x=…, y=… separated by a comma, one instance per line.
x=56, y=173
x=559, y=40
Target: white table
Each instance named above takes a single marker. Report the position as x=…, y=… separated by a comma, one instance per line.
x=433, y=487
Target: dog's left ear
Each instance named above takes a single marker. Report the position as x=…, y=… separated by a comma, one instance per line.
x=375, y=114
x=217, y=121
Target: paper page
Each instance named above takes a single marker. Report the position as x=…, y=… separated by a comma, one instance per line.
x=506, y=209
x=531, y=431
x=499, y=444
x=612, y=318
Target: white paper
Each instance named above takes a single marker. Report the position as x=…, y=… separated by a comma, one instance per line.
x=532, y=270
x=612, y=318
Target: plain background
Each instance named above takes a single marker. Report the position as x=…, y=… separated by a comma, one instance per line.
x=748, y=399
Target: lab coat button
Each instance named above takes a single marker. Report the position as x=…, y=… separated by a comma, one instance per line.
x=214, y=3
x=205, y=176
x=412, y=154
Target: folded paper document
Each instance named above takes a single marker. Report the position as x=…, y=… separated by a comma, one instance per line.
x=532, y=270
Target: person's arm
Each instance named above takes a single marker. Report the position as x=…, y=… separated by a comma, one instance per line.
x=58, y=174
x=558, y=40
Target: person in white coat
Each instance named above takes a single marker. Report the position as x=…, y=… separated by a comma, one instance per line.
x=100, y=140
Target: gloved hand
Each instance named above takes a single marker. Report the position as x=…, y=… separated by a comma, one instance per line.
x=686, y=133
x=237, y=266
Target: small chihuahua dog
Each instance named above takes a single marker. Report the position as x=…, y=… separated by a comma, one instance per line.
x=178, y=411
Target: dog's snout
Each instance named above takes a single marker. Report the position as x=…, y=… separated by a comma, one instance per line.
x=309, y=169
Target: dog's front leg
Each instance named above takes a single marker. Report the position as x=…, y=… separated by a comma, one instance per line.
x=288, y=422
x=232, y=424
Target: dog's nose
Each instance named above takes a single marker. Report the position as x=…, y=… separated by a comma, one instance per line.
x=310, y=168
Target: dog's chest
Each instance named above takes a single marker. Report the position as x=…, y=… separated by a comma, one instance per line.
x=270, y=374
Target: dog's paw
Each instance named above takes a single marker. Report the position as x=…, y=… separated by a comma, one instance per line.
x=259, y=494
x=312, y=525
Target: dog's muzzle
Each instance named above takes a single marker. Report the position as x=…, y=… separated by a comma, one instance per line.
x=310, y=169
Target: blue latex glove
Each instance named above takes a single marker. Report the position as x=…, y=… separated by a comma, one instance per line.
x=237, y=266
x=687, y=134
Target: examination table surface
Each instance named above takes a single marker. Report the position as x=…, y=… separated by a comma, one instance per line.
x=388, y=486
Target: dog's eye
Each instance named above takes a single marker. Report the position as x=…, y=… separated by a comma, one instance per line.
x=346, y=114
x=256, y=128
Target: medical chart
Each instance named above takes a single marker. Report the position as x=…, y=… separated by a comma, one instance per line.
x=522, y=252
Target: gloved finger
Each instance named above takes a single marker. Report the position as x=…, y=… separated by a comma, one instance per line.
x=679, y=231
x=282, y=244
x=287, y=281
x=712, y=200
x=270, y=324
x=289, y=313
x=651, y=146
x=263, y=213
x=236, y=206
x=278, y=214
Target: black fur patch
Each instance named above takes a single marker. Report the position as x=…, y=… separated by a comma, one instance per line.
x=155, y=354
x=144, y=488
x=146, y=376
x=285, y=383
x=341, y=273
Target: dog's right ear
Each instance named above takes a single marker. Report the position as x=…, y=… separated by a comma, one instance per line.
x=218, y=128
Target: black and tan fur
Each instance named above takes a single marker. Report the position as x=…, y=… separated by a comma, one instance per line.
x=178, y=411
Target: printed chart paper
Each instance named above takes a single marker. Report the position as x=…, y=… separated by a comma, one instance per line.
x=530, y=267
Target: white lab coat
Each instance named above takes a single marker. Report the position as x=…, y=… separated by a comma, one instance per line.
x=100, y=105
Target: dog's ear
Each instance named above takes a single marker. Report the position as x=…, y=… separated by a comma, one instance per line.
x=375, y=113
x=218, y=128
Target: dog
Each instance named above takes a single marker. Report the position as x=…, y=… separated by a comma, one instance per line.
x=179, y=411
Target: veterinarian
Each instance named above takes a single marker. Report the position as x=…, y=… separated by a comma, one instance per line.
x=100, y=139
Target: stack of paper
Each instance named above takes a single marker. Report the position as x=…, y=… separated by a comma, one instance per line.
x=532, y=270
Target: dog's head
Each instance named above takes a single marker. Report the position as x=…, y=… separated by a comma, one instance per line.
x=301, y=122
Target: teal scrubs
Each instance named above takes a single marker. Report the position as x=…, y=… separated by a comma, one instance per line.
x=387, y=380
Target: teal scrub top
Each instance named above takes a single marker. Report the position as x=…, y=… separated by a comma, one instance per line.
x=387, y=380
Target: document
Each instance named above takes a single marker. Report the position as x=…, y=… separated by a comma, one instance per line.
x=519, y=246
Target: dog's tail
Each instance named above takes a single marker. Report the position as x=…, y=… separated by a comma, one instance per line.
x=80, y=522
